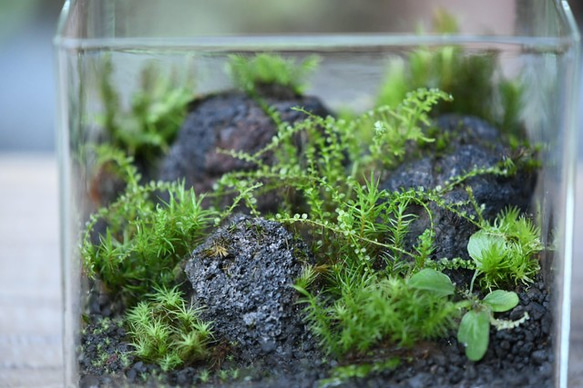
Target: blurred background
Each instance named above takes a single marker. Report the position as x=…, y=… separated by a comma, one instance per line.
x=30, y=304
x=27, y=97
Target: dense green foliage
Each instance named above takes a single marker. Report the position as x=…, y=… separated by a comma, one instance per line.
x=366, y=290
x=144, y=237
x=163, y=330
x=370, y=288
x=370, y=311
x=145, y=130
x=505, y=251
x=473, y=78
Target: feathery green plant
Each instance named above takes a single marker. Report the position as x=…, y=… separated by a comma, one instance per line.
x=136, y=242
x=156, y=111
x=453, y=69
x=373, y=310
x=338, y=154
x=164, y=331
x=504, y=252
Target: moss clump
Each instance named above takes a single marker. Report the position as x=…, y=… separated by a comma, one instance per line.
x=473, y=79
x=135, y=243
x=156, y=111
x=504, y=252
x=164, y=331
x=251, y=74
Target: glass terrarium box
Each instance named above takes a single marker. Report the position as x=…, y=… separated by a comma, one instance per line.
x=331, y=193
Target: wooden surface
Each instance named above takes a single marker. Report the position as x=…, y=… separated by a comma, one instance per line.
x=30, y=304
x=30, y=289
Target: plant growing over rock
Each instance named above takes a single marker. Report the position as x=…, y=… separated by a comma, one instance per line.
x=135, y=244
x=358, y=230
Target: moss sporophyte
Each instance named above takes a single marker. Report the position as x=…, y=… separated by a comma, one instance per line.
x=374, y=280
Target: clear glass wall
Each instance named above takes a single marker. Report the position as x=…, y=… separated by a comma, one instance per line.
x=519, y=56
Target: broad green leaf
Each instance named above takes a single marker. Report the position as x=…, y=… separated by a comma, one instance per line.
x=431, y=280
x=481, y=242
x=474, y=333
x=500, y=300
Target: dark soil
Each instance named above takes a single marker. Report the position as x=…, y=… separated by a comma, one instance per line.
x=519, y=357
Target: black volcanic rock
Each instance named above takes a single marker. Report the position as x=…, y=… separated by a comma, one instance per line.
x=242, y=277
x=471, y=144
x=230, y=121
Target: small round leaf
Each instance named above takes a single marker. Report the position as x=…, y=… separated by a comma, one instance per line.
x=481, y=242
x=500, y=301
x=433, y=281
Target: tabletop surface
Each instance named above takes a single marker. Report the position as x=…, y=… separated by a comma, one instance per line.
x=30, y=288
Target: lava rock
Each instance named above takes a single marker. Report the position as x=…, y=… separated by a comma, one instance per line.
x=471, y=143
x=229, y=121
x=241, y=276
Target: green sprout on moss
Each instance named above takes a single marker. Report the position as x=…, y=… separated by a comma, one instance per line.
x=504, y=252
x=164, y=331
x=249, y=74
x=136, y=242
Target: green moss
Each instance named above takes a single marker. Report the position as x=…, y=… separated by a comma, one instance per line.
x=250, y=73
x=135, y=243
x=156, y=111
x=374, y=312
x=505, y=251
x=472, y=78
x=164, y=331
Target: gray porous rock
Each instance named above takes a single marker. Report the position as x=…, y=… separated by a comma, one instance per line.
x=229, y=121
x=242, y=277
x=471, y=143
